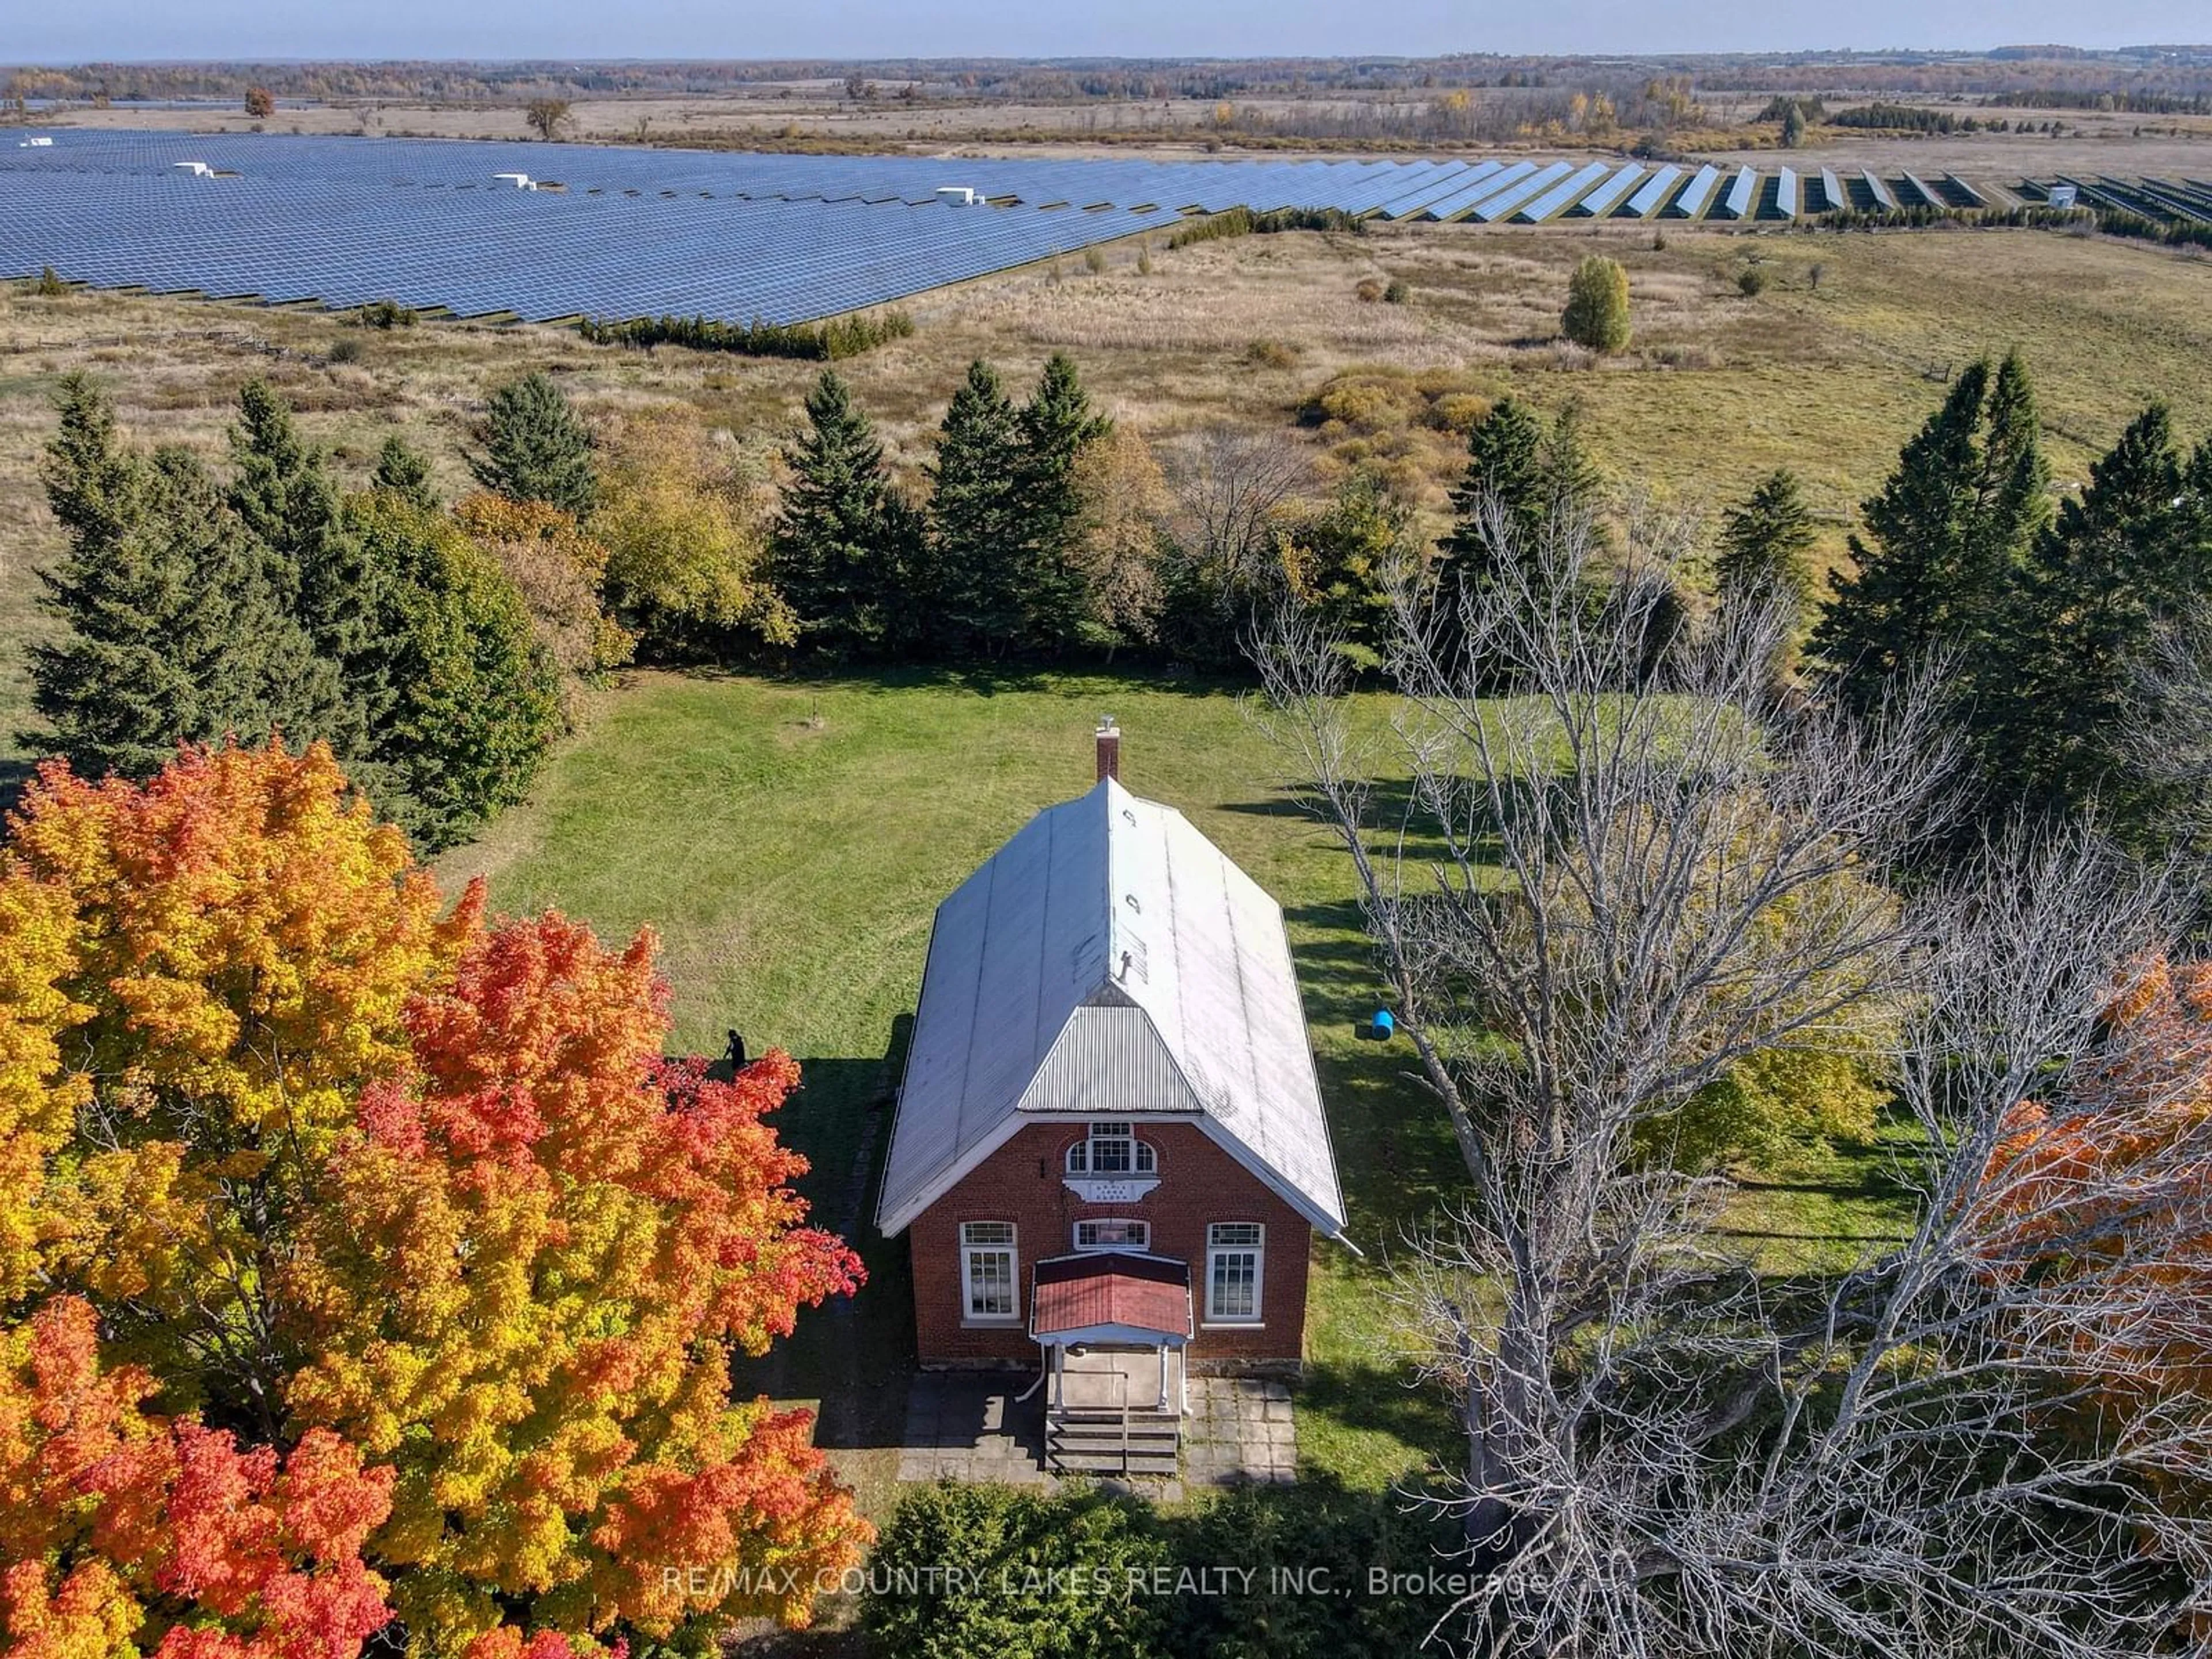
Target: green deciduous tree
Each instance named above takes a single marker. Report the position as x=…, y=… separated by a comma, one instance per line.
x=535, y=448
x=845, y=542
x=476, y=699
x=1346, y=560
x=1596, y=314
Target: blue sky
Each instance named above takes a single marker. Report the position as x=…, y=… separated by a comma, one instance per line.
x=36, y=31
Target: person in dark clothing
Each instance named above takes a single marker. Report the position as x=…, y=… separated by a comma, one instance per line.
x=735, y=1053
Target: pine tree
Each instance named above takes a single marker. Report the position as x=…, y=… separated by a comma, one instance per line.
x=1568, y=482
x=1948, y=534
x=535, y=448
x=975, y=584
x=1765, y=542
x=841, y=546
x=283, y=495
x=1504, y=466
x=171, y=631
x=1525, y=471
x=1057, y=424
x=404, y=471
x=2116, y=562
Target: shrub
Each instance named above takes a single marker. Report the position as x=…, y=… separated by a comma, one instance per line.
x=1596, y=314
x=383, y=313
x=1458, y=411
x=51, y=287
x=260, y=103
x=1396, y=293
x=343, y=349
x=1361, y=401
x=1035, y=1576
x=1271, y=354
x=1094, y=260
x=1370, y=289
x=1751, y=282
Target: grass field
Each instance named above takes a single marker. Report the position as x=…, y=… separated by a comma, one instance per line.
x=790, y=841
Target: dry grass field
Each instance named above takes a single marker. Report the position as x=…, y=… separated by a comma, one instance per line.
x=1828, y=377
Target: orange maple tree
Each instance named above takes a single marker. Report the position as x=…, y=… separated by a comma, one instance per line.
x=2113, y=1183
x=356, y=1192
x=119, y=1527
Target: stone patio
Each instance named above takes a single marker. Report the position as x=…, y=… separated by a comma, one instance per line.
x=970, y=1426
x=1240, y=1432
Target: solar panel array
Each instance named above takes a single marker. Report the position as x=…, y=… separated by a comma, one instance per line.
x=624, y=231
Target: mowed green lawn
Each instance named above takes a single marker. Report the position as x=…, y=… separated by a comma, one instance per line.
x=789, y=841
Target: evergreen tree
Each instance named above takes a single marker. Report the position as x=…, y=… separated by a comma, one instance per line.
x=1765, y=542
x=976, y=582
x=1057, y=424
x=535, y=448
x=1764, y=547
x=91, y=484
x=1504, y=467
x=1525, y=469
x=283, y=495
x=1793, y=126
x=842, y=542
x=1567, y=482
x=404, y=471
x=170, y=630
x=2121, y=557
x=1947, y=536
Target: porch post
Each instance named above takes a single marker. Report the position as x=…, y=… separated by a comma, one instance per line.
x=1164, y=1376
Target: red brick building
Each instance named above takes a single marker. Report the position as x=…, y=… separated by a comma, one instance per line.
x=1110, y=1135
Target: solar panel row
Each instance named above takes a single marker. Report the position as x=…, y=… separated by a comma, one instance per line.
x=739, y=237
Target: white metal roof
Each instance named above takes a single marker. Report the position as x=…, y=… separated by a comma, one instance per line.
x=1110, y=962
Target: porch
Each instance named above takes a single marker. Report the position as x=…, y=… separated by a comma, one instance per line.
x=1111, y=1327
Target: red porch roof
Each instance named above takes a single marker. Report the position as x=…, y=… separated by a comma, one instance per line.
x=1072, y=1293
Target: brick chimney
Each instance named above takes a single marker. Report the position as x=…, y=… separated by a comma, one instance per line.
x=1109, y=750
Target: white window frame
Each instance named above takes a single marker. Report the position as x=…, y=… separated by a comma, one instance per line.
x=1082, y=1161
x=1225, y=1239
x=1142, y=1242
x=973, y=1250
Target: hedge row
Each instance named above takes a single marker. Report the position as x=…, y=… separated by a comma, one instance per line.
x=839, y=338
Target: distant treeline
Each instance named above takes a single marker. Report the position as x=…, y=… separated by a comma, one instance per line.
x=1242, y=221
x=839, y=338
x=1412, y=86
x=2126, y=103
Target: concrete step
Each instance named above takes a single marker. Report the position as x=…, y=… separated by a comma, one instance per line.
x=1154, y=1465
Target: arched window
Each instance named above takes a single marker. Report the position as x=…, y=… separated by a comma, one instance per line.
x=1111, y=1148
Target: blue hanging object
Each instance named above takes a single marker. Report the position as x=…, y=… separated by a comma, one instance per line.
x=1384, y=1025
